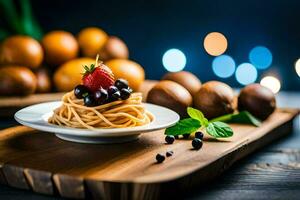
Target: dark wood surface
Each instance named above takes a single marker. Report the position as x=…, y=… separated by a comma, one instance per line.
x=273, y=173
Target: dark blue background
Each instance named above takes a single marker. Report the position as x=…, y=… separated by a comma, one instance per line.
x=152, y=27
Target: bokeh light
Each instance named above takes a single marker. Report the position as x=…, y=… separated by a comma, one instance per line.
x=272, y=83
x=215, y=43
x=223, y=66
x=174, y=60
x=261, y=57
x=297, y=67
x=246, y=73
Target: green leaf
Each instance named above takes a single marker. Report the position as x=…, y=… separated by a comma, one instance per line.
x=184, y=126
x=219, y=130
x=243, y=117
x=28, y=21
x=198, y=115
x=10, y=14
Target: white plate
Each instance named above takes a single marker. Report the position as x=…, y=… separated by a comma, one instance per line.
x=36, y=117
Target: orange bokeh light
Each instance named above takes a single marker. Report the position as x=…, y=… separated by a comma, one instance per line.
x=215, y=43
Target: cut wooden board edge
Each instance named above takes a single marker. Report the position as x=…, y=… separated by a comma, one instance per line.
x=118, y=190
x=15, y=176
x=39, y=181
x=64, y=184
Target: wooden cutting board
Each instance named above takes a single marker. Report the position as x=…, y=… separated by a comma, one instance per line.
x=31, y=159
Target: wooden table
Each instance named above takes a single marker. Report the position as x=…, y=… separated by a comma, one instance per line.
x=272, y=173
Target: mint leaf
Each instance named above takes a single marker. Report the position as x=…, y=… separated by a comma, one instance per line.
x=184, y=126
x=219, y=130
x=245, y=117
x=198, y=115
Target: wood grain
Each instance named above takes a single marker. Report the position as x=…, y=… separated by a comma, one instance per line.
x=48, y=165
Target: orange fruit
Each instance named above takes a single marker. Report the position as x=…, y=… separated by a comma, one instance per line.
x=69, y=75
x=129, y=70
x=21, y=50
x=59, y=46
x=91, y=40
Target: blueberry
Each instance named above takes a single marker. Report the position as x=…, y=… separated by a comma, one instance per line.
x=89, y=101
x=121, y=83
x=116, y=95
x=197, y=143
x=125, y=93
x=169, y=153
x=199, y=135
x=101, y=96
x=170, y=139
x=160, y=158
x=112, y=89
x=80, y=91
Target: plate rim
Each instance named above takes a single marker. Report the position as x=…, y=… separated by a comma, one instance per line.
x=55, y=129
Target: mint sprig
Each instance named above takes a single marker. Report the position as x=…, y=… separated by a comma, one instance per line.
x=184, y=126
x=196, y=121
x=219, y=130
x=198, y=115
x=243, y=117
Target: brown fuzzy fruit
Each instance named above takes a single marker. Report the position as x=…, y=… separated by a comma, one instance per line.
x=171, y=95
x=258, y=100
x=21, y=50
x=188, y=80
x=43, y=80
x=214, y=99
x=114, y=48
x=16, y=80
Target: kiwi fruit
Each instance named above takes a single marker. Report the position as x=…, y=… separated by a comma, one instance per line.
x=114, y=48
x=188, y=80
x=17, y=81
x=171, y=95
x=258, y=100
x=43, y=80
x=214, y=99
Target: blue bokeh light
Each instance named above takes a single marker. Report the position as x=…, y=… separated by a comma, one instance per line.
x=261, y=57
x=246, y=73
x=174, y=60
x=223, y=66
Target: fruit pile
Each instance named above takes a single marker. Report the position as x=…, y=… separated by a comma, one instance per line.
x=55, y=62
x=179, y=90
x=99, y=86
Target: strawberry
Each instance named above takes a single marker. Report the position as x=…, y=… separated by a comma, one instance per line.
x=98, y=77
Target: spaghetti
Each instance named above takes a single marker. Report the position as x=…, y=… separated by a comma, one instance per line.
x=117, y=114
